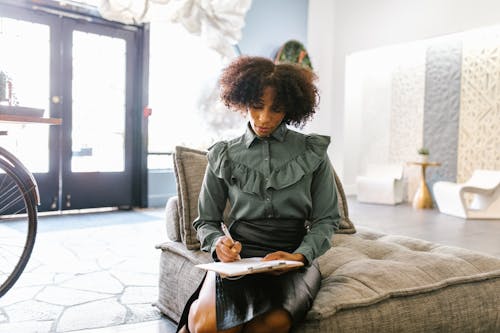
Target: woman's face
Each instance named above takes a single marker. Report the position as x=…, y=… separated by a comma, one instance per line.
x=262, y=119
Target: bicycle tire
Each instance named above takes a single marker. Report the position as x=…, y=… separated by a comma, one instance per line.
x=18, y=200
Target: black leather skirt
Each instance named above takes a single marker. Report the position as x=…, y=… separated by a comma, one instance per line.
x=239, y=301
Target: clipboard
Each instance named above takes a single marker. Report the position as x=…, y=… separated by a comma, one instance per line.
x=247, y=266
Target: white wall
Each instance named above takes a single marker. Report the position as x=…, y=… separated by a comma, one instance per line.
x=337, y=28
x=320, y=46
x=270, y=23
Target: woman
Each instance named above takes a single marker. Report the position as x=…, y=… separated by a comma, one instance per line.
x=278, y=181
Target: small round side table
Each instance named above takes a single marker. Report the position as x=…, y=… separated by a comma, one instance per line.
x=423, y=199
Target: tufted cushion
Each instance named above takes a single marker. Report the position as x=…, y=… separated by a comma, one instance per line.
x=189, y=167
x=374, y=282
x=373, y=267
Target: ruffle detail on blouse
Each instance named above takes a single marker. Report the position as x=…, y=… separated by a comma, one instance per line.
x=254, y=182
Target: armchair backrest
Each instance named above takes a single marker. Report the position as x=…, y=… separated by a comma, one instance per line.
x=189, y=168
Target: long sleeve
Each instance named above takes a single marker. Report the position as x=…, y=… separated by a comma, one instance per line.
x=211, y=204
x=287, y=176
x=325, y=214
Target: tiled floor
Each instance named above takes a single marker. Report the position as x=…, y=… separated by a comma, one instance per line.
x=87, y=271
x=98, y=273
x=156, y=326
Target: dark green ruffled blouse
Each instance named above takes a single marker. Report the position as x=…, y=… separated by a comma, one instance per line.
x=285, y=176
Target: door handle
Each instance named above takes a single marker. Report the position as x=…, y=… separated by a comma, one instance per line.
x=53, y=205
x=68, y=200
x=56, y=99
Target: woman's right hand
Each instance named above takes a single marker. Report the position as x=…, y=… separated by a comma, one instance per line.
x=227, y=250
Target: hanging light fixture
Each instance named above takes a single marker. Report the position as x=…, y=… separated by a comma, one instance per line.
x=218, y=22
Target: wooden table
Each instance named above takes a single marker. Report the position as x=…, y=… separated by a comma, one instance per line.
x=30, y=119
x=423, y=198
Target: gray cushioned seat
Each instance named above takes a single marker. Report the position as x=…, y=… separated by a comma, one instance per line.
x=371, y=282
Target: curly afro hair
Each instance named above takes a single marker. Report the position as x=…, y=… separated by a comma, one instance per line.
x=243, y=82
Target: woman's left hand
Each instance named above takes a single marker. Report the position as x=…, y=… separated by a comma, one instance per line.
x=284, y=256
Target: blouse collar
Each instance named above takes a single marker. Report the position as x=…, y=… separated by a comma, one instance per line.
x=278, y=134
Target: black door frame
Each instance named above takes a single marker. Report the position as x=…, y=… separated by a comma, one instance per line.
x=47, y=12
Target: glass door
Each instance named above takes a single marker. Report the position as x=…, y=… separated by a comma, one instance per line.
x=98, y=104
x=85, y=73
x=26, y=70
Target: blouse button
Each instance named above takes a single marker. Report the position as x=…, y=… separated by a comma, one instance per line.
x=268, y=199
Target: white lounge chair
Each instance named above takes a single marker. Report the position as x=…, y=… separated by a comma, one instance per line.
x=484, y=185
x=382, y=184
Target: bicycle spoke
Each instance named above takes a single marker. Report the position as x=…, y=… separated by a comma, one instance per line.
x=11, y=203
x=10, y=197
x=18, y=217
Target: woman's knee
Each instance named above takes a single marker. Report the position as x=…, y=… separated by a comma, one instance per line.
x=279, y=321
x=201, y=319
x=203, y=326
x=275, y=321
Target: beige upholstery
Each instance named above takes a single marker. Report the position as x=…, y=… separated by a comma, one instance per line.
x=190, y=165
x=373, y=267
x=371, y=282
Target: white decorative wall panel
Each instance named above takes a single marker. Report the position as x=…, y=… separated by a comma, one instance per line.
x=385, y=100
x=442, y=93
x=375, y=119
x=368, y=99
x=479, y=125
x=407, y=112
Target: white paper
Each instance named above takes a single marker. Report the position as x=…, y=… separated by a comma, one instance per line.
x=248, y=266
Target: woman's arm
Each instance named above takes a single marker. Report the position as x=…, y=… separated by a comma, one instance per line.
x=325, y=216
x=211, y=204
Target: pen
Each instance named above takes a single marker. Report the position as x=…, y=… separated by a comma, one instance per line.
x=227, y=234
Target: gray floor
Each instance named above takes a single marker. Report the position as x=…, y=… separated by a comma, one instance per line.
x=428, y=224
x=97, y=273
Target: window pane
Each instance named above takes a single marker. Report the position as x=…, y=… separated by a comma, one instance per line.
x=183, y=92
x=25, y=61
x=98, y=126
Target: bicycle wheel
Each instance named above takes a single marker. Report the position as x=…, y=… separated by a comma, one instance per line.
x=18, y=218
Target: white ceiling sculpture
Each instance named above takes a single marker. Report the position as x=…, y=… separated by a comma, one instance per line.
x=218, y=22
